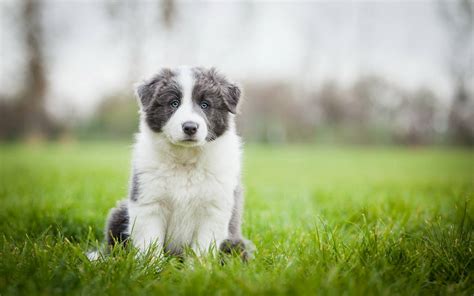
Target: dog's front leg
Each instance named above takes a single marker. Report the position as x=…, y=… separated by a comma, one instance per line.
x=211, y=233
x=147, y=227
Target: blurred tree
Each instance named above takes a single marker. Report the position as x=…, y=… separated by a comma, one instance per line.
x=331, y=103
x=458, y=17
x=168, y=8
x=25, y=116
x=115, y=118
x=415, y=118
x=32, y=99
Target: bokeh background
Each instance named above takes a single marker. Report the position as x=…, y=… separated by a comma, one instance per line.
x=358, y=119
x=326, y=72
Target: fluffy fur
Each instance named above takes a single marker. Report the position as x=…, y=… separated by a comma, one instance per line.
x=185, y=188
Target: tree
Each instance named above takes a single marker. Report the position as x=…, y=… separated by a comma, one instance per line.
x=25, y=116
x=458, y=17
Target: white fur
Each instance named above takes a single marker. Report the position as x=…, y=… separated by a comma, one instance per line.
x=185, y=193
x=93, y=255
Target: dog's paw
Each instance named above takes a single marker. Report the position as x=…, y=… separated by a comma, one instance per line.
x=93, y=255
x=244, y=248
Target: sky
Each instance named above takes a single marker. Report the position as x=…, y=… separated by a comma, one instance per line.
x=91, y=53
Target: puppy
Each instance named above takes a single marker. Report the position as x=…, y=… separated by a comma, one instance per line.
x=185, y=189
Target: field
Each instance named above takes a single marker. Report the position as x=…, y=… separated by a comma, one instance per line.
x=353, y=221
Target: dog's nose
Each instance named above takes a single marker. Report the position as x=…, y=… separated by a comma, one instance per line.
x=190, y=128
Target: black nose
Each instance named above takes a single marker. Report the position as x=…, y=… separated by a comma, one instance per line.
x=190, y=128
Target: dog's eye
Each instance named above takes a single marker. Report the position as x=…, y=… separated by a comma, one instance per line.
x=174, y=103
x=204, y=105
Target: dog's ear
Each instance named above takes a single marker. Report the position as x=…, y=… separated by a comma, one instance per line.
x=231, y=99
x=144, y=92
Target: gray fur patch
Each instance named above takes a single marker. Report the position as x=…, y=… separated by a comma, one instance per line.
x=222, y=96
x=134, y=190
x=117, y=224
x=155, y=96
x=242, y=247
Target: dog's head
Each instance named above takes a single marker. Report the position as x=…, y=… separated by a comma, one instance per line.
x=190, y=106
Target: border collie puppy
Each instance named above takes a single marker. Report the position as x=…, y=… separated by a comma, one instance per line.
x=185, y=188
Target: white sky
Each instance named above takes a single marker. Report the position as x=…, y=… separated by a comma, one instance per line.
x=403, y=41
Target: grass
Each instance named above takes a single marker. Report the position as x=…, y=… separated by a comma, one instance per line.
x=355, y=221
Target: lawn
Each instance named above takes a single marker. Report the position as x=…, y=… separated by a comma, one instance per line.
x=354, y=221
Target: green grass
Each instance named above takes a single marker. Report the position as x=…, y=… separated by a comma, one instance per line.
x=363, y=221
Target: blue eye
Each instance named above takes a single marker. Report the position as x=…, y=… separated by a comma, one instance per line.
x=204, y=105
x=174, y=104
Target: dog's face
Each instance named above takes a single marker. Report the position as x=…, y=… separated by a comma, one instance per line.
x=190, y=106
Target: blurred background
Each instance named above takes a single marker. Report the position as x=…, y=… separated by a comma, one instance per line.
x=326, y=72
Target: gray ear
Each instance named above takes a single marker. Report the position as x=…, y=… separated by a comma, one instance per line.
x=145, y=92
x=232, y=98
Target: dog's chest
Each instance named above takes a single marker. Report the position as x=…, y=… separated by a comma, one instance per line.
x=179, y=186
x=180, y=179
